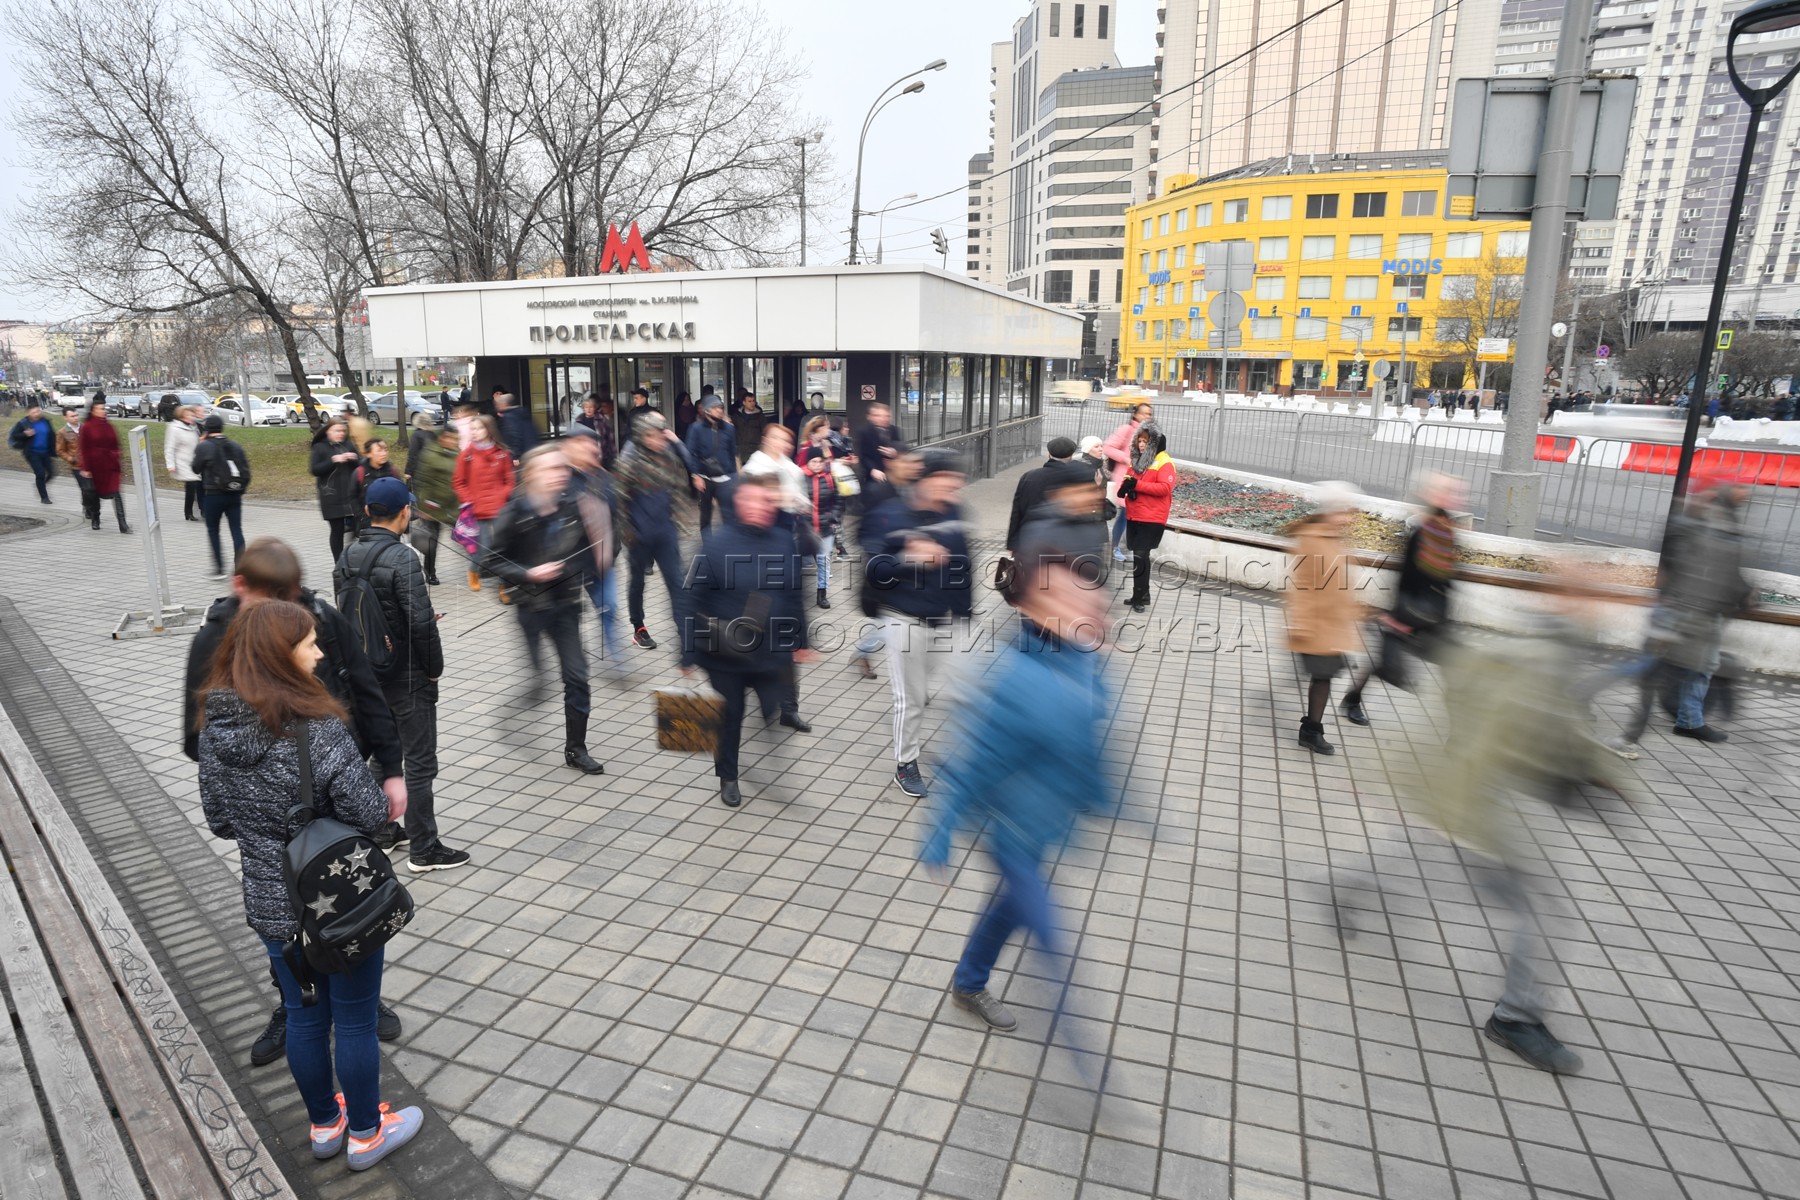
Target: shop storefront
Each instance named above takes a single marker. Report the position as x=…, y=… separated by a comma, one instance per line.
x=960, y=364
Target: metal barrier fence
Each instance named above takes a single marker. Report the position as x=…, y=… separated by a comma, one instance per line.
x=1603, y=491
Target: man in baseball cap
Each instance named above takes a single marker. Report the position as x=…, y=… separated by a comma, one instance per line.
x=381, y=572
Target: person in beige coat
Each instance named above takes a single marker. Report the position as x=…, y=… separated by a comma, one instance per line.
x=181, y=437
x=1322, y=611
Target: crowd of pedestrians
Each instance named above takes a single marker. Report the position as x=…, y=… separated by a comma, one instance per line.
x=289, y=692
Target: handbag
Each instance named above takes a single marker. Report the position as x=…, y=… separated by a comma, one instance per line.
x=341, y=886
x=1006, y=578
x=847, y=482
x=688, y=719
x=467, y=530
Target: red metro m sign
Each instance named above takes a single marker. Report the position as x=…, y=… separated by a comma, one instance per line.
x=624, y=253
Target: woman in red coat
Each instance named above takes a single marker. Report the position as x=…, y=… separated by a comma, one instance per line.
x=98, y=447
x=1148, y=489
x=484, y=480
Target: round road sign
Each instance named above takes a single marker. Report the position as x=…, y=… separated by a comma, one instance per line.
x=1603, y=352
x=1383, y=368
x=1558, y=329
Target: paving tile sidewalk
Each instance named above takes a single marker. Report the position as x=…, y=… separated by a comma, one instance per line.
x=637, y=993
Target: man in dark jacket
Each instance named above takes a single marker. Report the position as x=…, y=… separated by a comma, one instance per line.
x=712, y=446
x=654, y=482
x=539, y=545
x=592, y=486
x=749, y=621
x=1036, y=484
x=920, y=576
x=516, y=429
x=219, y=463
x=34, y=437
x=392, y=569
x=878, y=444
x=268, y=569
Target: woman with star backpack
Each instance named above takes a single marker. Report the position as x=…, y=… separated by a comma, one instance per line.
x=270, y=734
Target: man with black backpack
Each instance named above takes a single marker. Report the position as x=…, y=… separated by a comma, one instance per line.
x=224, y=471
x=381, y=590
x=268, y=569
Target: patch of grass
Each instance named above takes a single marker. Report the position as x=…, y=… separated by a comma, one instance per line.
x=278, y=458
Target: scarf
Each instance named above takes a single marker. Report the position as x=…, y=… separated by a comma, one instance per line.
x=1141, y=460
x=1437, y=546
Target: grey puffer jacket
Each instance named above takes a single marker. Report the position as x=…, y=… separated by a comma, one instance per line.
x=248, y=781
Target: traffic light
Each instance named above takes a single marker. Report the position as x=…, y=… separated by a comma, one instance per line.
x=940, y=243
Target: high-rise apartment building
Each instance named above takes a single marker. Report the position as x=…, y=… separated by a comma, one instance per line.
x=1366, y=75
x=1071, y=151
x=1685, y=140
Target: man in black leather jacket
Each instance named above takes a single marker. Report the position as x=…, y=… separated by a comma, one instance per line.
x=539, y=546
x=409, y=684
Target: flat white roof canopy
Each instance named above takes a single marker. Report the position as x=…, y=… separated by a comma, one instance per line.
x=781, y=310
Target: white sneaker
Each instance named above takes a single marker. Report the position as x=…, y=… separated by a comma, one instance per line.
x=1624, y=748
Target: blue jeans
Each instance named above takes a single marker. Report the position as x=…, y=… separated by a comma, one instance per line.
x=1118, y=529
x=604, y=592
x=1023, y=899
x=1690, y=698
x=823, y=561
x=347, y=1008
x=230, y=507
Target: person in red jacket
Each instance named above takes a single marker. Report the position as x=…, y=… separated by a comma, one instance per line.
x=98, y=446
x=484, y=480
x=1147, y=488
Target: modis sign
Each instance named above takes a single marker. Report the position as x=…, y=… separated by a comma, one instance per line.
x=1412, y=266
x=624, y=253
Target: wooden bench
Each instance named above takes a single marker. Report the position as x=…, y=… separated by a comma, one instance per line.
x=106, y=1089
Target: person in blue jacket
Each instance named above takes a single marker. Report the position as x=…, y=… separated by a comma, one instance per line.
x=746, y=625
x=711, y=443
x=1032, y=754
x=33, y=436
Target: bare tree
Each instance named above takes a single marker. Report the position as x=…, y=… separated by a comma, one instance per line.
x=1662, y=364
x=1753, y=366
x=1482, y=304
x=154, y=218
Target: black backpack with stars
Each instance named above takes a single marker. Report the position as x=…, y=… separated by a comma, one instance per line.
x=342, y=888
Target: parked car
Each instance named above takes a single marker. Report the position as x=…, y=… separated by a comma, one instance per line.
x=266, y=412
x=229, y=408
x=383, y=411
x=126, y=404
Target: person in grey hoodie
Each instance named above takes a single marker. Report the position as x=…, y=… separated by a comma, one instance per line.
x=260, y=698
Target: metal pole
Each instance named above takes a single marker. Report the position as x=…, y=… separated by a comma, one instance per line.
x=1710, y=335
x=1513, y=490
x=803, y=202
x=1569, y=344
x=1405, y=383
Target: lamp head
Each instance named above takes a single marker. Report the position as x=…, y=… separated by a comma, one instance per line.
x=939, y=65
x=918, y=85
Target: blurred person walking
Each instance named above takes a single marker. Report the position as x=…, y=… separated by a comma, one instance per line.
x=1321, y=602
x=1030, y=756
x=712, y=447
x=483, y=480
x=900, y=473
x=33, y=436
x=825, y=515
x=431, y=474
x=98, y=443
x=746, y=626
x=539, y=545
x=272, y=733
x=391, y=568
x=1148, y=490
x=517, y=433
x=654, y=485
x=224, y=471
x=68, y=448
x=181, y=437
x=1059, y=470
x=333, y=465
x=1421, y=609
x=593, y=488
x=1118, y=449
x=920, y=577
x=878, y=445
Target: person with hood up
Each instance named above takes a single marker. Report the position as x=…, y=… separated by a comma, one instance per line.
x=264, y=709
x=180, y=440
x=1148, y=489
x=1117, y=450
x=99, y=446
x=333, y=465
x=1321, y=602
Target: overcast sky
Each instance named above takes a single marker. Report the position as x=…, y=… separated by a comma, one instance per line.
x=920, y=144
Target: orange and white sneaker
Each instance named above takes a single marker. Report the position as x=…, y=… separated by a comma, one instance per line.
x=327, y=1140
x=396, y=1129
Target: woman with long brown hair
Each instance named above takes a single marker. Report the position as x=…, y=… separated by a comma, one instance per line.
x=259, y=699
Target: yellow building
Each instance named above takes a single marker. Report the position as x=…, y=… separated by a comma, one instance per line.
x=1352, y=253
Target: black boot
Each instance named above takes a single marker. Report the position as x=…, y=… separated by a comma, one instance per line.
x=1353, y=709
x=575, y=744
x=822, y=601
x=1312, y=736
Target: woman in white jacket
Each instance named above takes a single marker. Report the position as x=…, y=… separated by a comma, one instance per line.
x=179, y=441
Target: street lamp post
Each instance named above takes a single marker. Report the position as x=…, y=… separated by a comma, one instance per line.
x=1767, y=16
x=801, y=142
x=882, y=100
x=881, y=217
